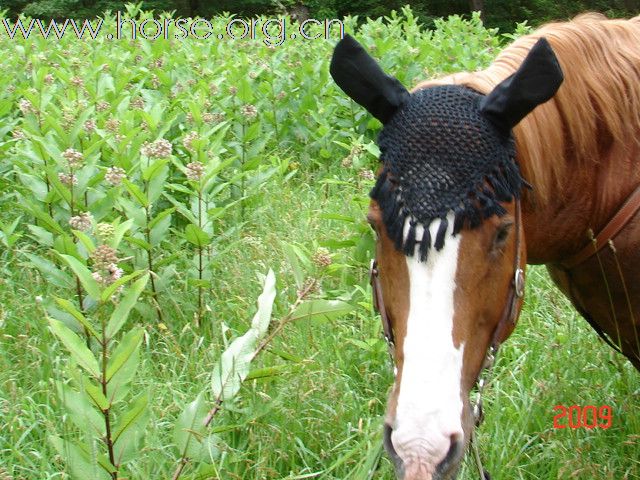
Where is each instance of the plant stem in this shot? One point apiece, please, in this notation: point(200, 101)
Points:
point(107, 420)
point(80, 304)
point(200, 268)
point(147, 235)
point(46, 177)
point(217, 405)
point(46, 174)
point(242, 176)
point(275, 111)
point(75, 240)
point(178, 472)
point(154, 292)
point(281, 324)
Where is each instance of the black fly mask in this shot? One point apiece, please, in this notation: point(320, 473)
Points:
point(445, 150)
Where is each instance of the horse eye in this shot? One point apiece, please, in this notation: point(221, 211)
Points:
point(501, 235)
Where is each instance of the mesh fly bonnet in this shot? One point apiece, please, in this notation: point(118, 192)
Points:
point(441, 155)
point(444, 149)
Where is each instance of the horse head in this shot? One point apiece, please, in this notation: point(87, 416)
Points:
point(450, 247)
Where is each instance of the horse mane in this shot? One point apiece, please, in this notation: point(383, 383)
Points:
point(596, 108)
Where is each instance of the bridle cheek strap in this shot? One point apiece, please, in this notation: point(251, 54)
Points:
point(378, 305)
point(515, 295)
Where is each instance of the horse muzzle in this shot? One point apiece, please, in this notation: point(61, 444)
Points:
point(420, 469)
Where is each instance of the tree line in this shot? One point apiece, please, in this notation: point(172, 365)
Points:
point(503, 14)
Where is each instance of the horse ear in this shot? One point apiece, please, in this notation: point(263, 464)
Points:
point(535, 82)
point(360, 77)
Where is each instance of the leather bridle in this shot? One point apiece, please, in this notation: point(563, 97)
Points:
point(507, 321)
point(620, 220)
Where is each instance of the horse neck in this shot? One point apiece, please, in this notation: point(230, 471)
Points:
point(587, 197)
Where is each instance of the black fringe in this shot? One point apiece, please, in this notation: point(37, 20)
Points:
point(442, 230)
point(410, 242)
point(458, 222)
point(425, 244)
point(501, 185)
point(396, 230)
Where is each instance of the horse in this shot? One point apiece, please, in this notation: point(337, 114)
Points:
point(534, 160)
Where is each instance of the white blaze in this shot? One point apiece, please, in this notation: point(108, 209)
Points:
point(429, 405)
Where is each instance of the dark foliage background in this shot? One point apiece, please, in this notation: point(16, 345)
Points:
point(497, 13)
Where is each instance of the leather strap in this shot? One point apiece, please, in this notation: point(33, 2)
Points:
point(516, 290)
point(617, 223)
point(378, 303)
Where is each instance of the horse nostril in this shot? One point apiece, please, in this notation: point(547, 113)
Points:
point(391, 451)
point(455, 450)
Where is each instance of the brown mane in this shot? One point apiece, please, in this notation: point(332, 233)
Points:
point(597, 107)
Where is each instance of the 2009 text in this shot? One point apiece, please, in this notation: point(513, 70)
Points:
point(578, 416)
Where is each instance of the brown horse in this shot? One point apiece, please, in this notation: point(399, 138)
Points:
point(451, 214)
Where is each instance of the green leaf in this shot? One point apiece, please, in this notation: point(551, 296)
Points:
point(50, 271)
point(139, 242)
point(180, 206)
point(60, 189)
point(121, 312)
point(83, 273)
point(94, 393)
point(159, 229)
point(157, 184)
point(204, 449)
point(323, 309)
point(67, 306)
point(48, 222)
point(190, 423)
point(120, 384)
point(110, 290)
point(77, 348)
point(81, 410)
point(130, 444)
point(245, 90)
point(127, 348)
point(85, 240)
point(133, 416)
point(9, 228)
point(196, 235)
point(41, 235)
point(194, 282)
point(274, 371)
point(153, 170)
point(262, 317)
point(119, 232)
point(161, 216)
point(136, 193)
point(292, 257)
point(233, 367)
point(289, 357)
point(337, 244)
point(65, 245)
point(80, 463)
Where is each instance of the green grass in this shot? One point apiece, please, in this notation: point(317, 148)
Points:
point(323, 418)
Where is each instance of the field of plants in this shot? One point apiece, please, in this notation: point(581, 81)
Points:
point(183, 270)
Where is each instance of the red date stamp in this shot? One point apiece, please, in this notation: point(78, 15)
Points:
point(577, 416)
